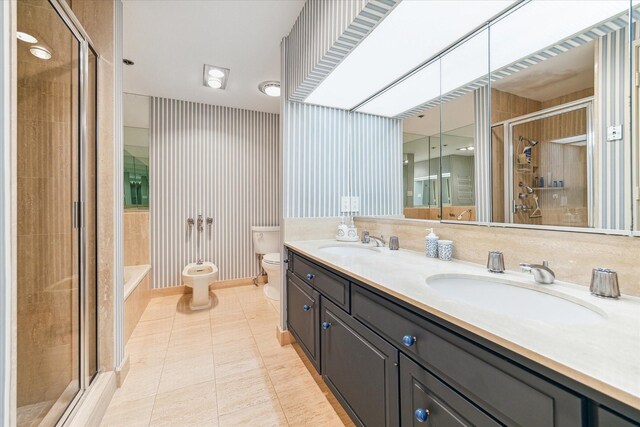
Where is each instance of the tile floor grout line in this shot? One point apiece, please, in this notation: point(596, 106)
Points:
point(164, 359)
point(253, 337)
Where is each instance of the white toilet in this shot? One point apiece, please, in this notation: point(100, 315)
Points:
point(199, 277)
point(266, 241)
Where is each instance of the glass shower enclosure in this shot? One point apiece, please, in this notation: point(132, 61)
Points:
point(57, 214)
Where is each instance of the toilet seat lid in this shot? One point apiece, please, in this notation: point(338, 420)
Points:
point(272, 258)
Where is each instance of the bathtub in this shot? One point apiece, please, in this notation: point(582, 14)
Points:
point(133, 275)
point(137, 293)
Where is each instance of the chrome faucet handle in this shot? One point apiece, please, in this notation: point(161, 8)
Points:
point(190, 222)
point(495, 262)
point(365, 237)
point(394, 243)
point(541, 272)
point(209, 220)
point(604, 283)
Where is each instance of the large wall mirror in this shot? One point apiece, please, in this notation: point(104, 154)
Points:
point(530, 123)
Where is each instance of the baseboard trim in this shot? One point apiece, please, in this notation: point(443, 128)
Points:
point(181, 289)
point(94, 404)
point(122, 371)
point(284, 337)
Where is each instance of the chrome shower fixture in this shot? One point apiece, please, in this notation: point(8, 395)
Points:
point(530, 142)
point(528, 189)
point(468, 211)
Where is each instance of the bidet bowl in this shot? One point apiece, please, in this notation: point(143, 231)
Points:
point(199, 277)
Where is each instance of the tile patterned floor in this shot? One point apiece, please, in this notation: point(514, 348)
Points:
point(221, 367)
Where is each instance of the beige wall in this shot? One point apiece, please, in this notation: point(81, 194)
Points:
point(571, 255)
point(136, 238)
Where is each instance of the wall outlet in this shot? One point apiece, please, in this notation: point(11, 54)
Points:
point(345, 204)
point(614, 133)
point(355, 204)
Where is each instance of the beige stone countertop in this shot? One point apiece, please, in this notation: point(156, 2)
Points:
point(604, 355)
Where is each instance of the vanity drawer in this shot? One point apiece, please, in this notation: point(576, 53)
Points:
point(421, 390)
point(332, 286)
point(303, 316)
point(606, 418)
point(510, 394)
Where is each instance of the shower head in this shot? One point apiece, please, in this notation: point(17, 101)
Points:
point(530, 142)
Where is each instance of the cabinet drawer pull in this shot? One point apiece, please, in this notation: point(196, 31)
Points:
point(310, 276)
point(326, 325)
point(409, 340)
point(306, 307)
point(422, 415)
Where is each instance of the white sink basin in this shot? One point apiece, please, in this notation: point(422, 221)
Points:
point(515, 300)
point(350, 250)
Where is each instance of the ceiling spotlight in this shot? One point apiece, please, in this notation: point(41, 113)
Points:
point(215, 77)
point(216, 72)
point(26, 37)
point(40, 52)
point(214, 83)
point(271, 88)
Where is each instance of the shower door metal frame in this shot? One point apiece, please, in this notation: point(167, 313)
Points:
point(85, 44)
point(508, 125)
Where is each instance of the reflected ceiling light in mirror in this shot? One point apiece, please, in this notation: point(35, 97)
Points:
point(412, 33)
point(215, 77)
point(40, 52)
point(26, 37)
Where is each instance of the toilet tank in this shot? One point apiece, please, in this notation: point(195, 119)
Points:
point(266, 240)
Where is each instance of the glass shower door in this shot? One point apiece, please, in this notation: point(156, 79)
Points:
point(48, 181)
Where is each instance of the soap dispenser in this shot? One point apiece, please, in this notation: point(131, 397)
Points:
point(431, 244)
point(352, 233)
point(343, 230)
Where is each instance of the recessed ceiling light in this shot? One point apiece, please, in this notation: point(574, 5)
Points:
point(216, 72)
point(462, 149)
point(214, 83)
point(215, 77)
point(26, 37)
point(470, 148)
point(271, 88)
point(40, 52)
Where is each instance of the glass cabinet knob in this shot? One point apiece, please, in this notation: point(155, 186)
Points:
point(408, 340)
point(422, 415)
point(306, 307)
point(310, 276)
point(326, 325)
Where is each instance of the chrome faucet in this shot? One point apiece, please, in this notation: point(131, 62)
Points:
point(541, 273)
point(200, 223)
point(199, 262)
point(379, 241)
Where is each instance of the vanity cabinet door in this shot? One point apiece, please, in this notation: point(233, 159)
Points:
point(606, 418)
point(360, 368)
point(303, 316)
point(427, 401)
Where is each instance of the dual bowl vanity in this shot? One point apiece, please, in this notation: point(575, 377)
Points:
point(402, 339)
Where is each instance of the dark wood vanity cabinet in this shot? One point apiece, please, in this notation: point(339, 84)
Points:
point(359, 367)
point(303, 314)
point(389, 364)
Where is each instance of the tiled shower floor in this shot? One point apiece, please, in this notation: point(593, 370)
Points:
point(221, 367)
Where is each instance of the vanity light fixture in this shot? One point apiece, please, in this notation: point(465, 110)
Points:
point(40, 52)
point(26, 37)
point(271, 88)
point(215, 77)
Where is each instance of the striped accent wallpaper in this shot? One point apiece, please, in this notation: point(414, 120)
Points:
point(217, 162)
point(376, 164)
point(613, 209)
point(323, 35)
point(482, 154)
point(324, 160)
point(118, 173)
